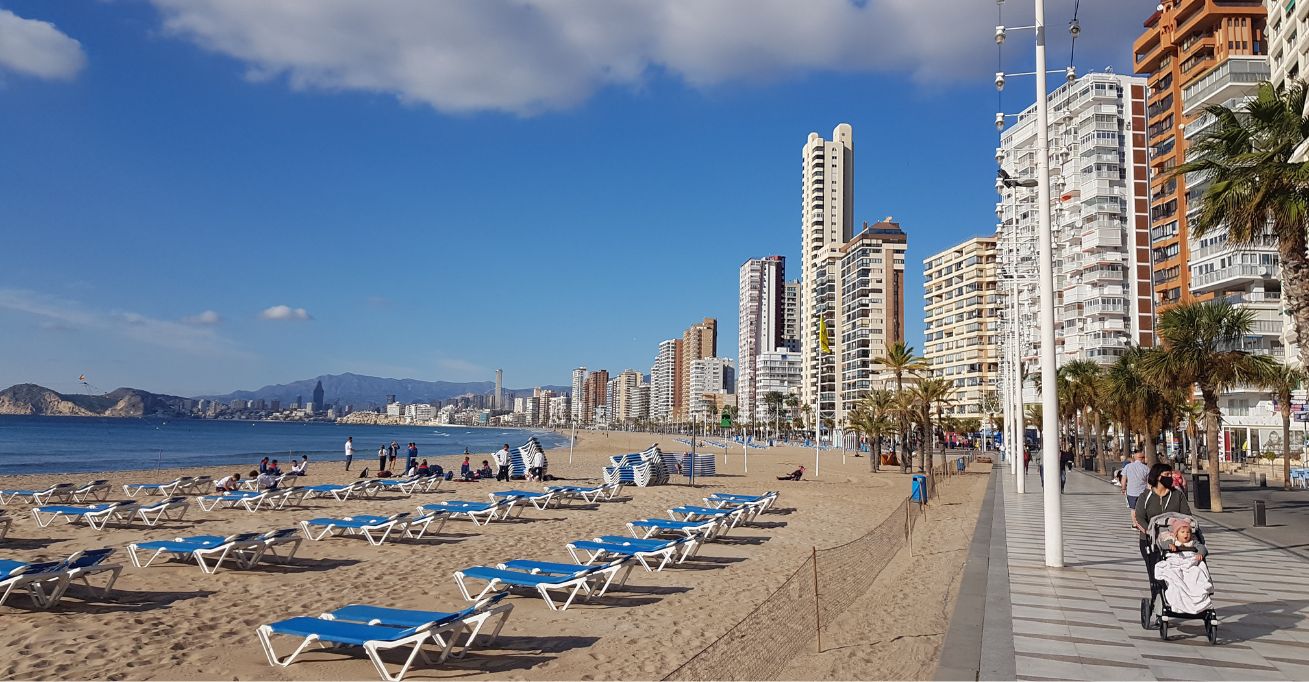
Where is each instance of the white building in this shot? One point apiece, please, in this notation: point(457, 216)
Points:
point(791, 316)
point(663, 381)
point(560, 411)
point(960, 308)
point(760, 310)
point(395, 409)
point(1287, 33)
point(709, 376)
point(579, 377)
point(778, 371)
point(1100, 229)
point(826, 223)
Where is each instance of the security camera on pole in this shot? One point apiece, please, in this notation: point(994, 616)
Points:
point(1053, 509)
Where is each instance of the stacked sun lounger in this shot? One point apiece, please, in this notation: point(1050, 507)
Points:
point(681, 463)
point(521, 455)
point(641, 469)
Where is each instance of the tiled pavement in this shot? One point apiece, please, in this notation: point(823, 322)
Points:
point(1082, 622)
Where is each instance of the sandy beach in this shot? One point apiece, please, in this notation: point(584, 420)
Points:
point(170, 621)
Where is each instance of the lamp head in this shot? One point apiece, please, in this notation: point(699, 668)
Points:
point(999, 121)
point(1074, 28)
point(999, 35)
point(999, 80)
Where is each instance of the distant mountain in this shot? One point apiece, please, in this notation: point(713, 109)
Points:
point(122, 402)
point(359, 390)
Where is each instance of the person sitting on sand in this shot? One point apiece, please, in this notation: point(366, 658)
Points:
point(435, 469)
point(485, 471)
point(263, 465)
point(267, 481)
point(228, 484)
point(466, 470)
point(300, 468)
point(422, 469)
point(793, 476)
point(274, 469)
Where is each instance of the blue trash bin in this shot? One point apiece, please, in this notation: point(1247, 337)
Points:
point(918, 493)
point(959, 465)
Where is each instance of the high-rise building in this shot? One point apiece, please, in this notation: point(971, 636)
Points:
point(791, 316)
point(499, 400)
point(318, 397)
point(709, 376)
point(1287, 41)
point(870, 300)
point(760, 309)
point(594, 393)
point(1100, 229)
point(700, 340)
point(1182, 42)
point(626, 400)
point(960, 313)
point(576, 405)
point(780, 371)
point(663, 380)
point(827, 223)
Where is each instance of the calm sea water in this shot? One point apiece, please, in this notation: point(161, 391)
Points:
point(71, 444)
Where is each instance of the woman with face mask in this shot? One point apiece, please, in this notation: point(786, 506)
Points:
point(1159, 498)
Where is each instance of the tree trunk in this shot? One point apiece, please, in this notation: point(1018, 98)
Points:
point(927, 455)
point(1151, 453)
point(1212, 416)
point(876, 453)
point(1291, 244)
point(1086, 437)
point(1286, 444)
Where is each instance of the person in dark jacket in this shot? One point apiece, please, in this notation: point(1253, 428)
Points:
point(1158, 499)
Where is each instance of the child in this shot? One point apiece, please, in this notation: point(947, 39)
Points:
point(1184, 571)
point(466, 470)
point(485, 471)
point(423, 470)
point(1184, 540)
point(228, 484)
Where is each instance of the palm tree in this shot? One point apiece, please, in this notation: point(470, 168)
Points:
point(929, 393)
point(1201, 346)
point(774, 401)
point(1257, 187)
point(1285, 381)
point(1142, 402)
point(872, 417)
point(899, 359)
point(1081, 377)
point(1193, 413)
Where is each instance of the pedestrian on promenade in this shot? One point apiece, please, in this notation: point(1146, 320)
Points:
point(502, 463)
point(349, 451)
point(1027, 459)
point(1158, 499)
point(1134, 478)
point(381, 458)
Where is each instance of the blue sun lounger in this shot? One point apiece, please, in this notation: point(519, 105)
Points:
point(165, 489)
point(96, 490)
point(43, 581)
point(589, 551)
point(480, 513)
point(96, 516)
point(762, 502)
point(375, 529)
point(538, 499)
point(244, 549)
point(374, 639)
point(277, 538)
point(732, 516)
point(645, 528)
point(473, 619)
point(584, 579)
point(60, 491)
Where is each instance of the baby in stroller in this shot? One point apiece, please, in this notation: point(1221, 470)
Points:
point(1182, 588)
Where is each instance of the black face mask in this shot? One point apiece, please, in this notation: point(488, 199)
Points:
point(1166, 481)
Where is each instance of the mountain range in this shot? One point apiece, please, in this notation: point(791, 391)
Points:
point(122, 402)
point(360, 390)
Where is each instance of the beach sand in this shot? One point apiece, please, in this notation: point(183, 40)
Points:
point(170, 621)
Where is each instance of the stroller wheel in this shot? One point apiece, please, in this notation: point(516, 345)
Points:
point(1145, 613)
point(1163, 629)
point(1211, 631)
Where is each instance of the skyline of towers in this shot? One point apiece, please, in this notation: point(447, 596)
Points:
point(761, 319)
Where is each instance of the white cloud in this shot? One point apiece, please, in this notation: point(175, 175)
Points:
point(36, 48)
point(527, 56)
point(207, 317)
point(285, 312)
point(58, 314)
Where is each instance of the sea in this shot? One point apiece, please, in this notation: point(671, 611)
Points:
point(78, 444)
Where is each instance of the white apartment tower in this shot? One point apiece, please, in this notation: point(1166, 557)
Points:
point(577, 405)
point(826, 223)
point(791, 316)
point(960, 312)
point(760, 310)
point(870, 300)
point(1101, 234)
point(779, 371)
point(499, 389)
point(663, 381)
point(709, 377)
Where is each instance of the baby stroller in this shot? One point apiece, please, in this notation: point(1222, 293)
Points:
point(1156, 611)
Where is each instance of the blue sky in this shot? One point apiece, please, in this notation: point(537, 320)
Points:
point(203, 196)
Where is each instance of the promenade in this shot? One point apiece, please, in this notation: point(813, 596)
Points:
point(1082, 622)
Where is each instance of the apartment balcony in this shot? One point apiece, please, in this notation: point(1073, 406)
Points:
point(1225, 248)
point(1102, 237)
point(1233, 275)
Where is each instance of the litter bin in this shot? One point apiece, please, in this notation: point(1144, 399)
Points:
point(959, 465)
point(1088, 464)
point(1200, 486)
point(918, 493)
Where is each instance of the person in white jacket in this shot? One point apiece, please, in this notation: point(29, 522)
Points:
point(502, 463)
point(536, 467)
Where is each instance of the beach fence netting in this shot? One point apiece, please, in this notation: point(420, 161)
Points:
point(815, 594)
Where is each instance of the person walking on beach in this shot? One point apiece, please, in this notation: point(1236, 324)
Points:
point(381, 458)
point(349, 451)
point(393, 451)
point(502, 463)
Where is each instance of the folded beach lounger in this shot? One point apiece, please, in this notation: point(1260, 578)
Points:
point(645, 528)
point(375, 529)
point(472, 619)
point(43, 581)
point(585, 579)
point(243, 548)
point(170, 509)
point(480, 513)
point(167, 489)
point(91, 490)
point(58, 491)
point(279, 538)
point(538, 499)
point(230, 500)
point(590, 551)
point(96, 515)
point(374, 639)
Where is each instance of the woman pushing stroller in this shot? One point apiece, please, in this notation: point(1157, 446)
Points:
point(1174, 554)
point(1159, 498)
